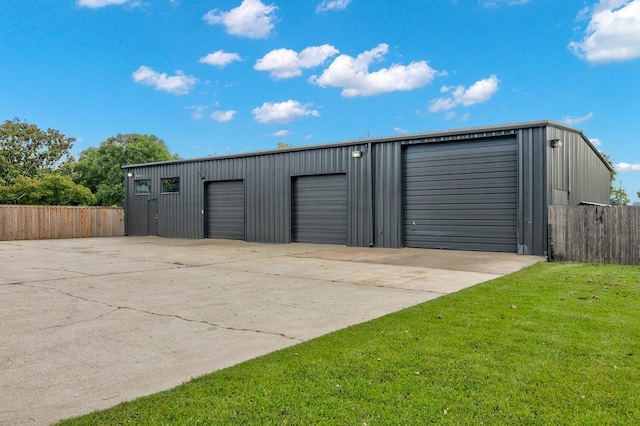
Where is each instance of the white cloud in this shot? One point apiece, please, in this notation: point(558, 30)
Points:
point(613, 33)
point(480, 91)
point(495, 3)
point(282, 112)
point(572, 121)
point(223, 116)
point(198, 111)
point(281, 133)
point(400, 130)
point(286, 63)
point(626, 167)
point(353, 76)
point(220, 58)
point(596, 142)
point(332, 5)
point(179, 84)
point(96, 4)
point(251, 19)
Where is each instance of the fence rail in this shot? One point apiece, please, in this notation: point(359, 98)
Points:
point(53, 222)
point(595, 234)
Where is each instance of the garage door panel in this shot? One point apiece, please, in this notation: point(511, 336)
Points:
point(461, 195)
point(471, 162)
point(462, 173)
point(319, 209)
point(225, 210)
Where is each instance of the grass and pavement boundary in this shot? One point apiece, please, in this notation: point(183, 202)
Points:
point(552, 344)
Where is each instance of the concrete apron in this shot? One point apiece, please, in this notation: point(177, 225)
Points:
point(88, 323)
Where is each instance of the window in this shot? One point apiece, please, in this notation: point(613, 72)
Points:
point(143, 187)
point(170, 185)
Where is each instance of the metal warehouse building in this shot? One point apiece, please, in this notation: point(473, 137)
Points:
point(482, 188)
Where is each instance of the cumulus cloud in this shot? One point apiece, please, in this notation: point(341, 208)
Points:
point(480, 91)
point(220, 58)
point(251, 19)
point(355, 79)
point(96, 4)
point(179, 84)
point(496, 3)
point(282, 112)
point(197, 111)
point(281, 133)
point(223, 116)
point(613, 33)
point(332, 5)
point(626, 167)
point(286, 63)
point(400, 130)
point(572, 121)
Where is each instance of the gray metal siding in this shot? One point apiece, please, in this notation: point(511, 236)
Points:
point(532, 193)
point(461, 195)
point(319, 209)
point(267, 192)
point(225, 210)
point(570, 174)
point(576, 173)
point(387, 194)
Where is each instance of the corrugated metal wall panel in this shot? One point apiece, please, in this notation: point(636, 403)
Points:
point(387, 175)
point(374, 185)
point(533, 192)
point(576, 169)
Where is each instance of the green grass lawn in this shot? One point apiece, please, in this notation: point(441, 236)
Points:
point(552, 344)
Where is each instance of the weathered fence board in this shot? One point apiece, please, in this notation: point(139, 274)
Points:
point(54, 222)
point(595, 234)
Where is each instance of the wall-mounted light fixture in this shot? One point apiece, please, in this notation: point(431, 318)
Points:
point(356, 154)
point(556, 143)
point(130, 174)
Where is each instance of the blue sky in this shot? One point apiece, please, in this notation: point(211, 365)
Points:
point(214, 77)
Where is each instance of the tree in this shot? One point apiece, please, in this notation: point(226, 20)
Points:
point(284, 145)
point(618, 196)
point(99, 169)
point(26, 150)
point(51, 189)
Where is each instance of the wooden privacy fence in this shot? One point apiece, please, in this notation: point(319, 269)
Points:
point(595, 234)
point(52, 222)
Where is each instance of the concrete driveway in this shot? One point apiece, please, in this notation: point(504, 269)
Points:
point(88, 323)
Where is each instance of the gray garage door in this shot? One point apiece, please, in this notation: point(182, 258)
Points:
point(461, 196)
point(225, 210)
point(319, 208)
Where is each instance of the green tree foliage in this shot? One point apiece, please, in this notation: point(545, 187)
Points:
point(284, 145)
point(26, 150)
point(618, 196)
point(99, 169)
point(49, 189)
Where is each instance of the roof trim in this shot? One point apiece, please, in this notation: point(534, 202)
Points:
point(397, 138)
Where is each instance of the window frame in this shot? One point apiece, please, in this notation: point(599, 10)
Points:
point(165, 181)
point(135, 187)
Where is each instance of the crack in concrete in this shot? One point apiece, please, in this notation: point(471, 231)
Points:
point(142, 311)
point(356, 283)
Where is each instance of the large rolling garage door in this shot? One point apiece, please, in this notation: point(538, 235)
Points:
point(225, 210)
point(462, 195)
point(319, 208)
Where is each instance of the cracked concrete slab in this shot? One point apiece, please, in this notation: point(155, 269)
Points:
point(88, 323)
